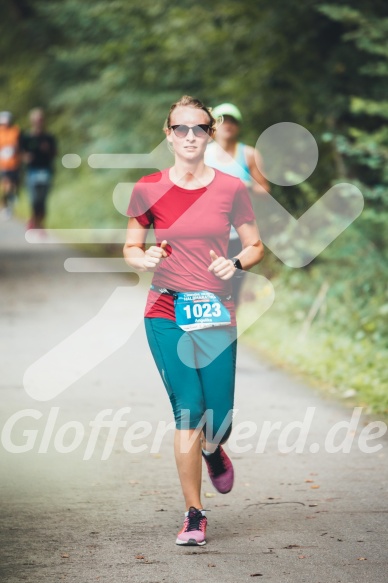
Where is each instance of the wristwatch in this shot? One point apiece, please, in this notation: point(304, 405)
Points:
point(236, 262)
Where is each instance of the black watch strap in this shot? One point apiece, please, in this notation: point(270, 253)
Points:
point(236, 262)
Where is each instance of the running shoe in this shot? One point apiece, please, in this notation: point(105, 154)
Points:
point(193, 532)
point(220, 470)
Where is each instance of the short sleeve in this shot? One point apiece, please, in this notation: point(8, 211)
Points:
point(139, 206)
point(242, 211)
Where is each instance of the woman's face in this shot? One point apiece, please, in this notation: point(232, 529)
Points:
point(229, 129)
point(190, 147)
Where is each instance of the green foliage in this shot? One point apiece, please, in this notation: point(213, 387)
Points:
point(362, 142)
point(344, 349)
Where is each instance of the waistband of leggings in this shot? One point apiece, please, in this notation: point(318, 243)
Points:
point(174, 294)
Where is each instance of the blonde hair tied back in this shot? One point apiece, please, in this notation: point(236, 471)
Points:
point(188, 101)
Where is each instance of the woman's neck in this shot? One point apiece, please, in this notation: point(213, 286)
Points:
point(191, 175)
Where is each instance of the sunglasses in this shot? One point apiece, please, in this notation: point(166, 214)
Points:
point(200, 131)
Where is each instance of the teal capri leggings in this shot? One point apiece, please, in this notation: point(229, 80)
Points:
point(198, 369)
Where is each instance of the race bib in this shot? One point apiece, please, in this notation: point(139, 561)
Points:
point(200, 309)
point(7, 152)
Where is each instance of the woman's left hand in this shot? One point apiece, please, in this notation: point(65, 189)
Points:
point(221, 267)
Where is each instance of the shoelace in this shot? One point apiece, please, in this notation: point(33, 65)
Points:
point(216, 461)
point(195, 518)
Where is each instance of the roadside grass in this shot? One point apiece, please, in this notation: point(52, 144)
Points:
point(349, 365)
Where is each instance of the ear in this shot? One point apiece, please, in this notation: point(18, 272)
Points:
point(170, 146)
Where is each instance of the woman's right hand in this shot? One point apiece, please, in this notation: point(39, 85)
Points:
point(154, 255)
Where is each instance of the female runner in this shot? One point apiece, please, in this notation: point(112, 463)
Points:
point(189, 316)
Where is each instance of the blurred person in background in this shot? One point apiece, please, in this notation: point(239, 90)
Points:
point(9, 163)
point(38, 150)
point(227, 154)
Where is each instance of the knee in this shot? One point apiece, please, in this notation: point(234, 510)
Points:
point(190, 418)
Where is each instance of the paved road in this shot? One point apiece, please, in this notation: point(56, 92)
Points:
point(292, 517)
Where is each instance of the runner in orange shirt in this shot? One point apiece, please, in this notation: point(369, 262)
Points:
point(9, 163)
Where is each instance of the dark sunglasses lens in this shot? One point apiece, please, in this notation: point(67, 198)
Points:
point(181, 131)
point(201, 130)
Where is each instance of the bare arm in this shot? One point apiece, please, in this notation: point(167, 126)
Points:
point(135, 253)
point(251, 254)
point(255, 164)
point(252, 247)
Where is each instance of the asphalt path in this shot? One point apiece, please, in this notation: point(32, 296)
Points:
point(78, 384)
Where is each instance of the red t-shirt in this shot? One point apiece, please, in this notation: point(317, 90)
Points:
point(193, 222)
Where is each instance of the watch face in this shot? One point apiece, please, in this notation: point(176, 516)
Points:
point(237, 263)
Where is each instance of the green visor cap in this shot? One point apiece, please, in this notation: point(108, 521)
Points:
point(227, 109)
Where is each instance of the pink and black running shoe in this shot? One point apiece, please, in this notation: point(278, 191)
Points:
point(220, 470)
point(193, 532)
